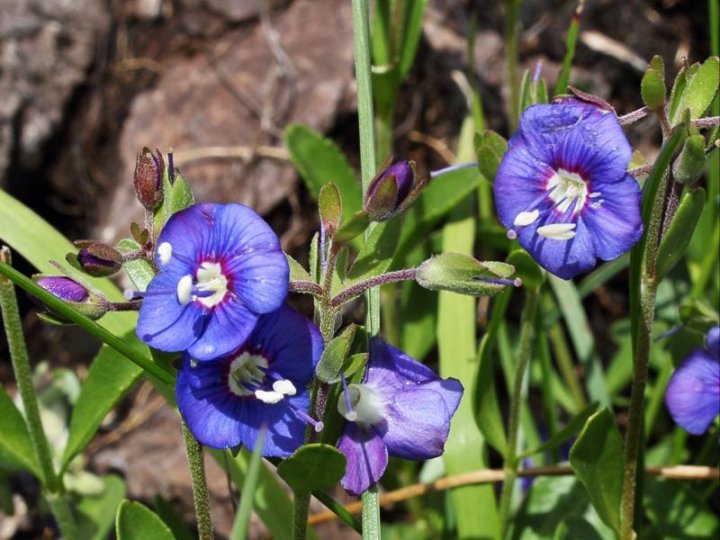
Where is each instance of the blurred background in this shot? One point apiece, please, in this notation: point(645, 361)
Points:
point(85, 84)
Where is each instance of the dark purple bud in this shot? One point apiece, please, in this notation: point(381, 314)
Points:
point(148, 180)
point(95, 258)
point(64, 288)
point(389, 190)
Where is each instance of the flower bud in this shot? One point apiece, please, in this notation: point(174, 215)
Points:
point(388, 193)
point(74, 294)
point(95, 258)
point(463, 274)
point(652, 87)
point(690, 164)
point(148, 179)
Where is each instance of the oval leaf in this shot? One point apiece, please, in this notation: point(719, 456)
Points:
point(312, 467)
point(135, 521)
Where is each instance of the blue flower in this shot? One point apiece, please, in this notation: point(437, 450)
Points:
point(563, 189)
point(402, 408)
point(220, 268)
point(226, 402)
point(693, 393)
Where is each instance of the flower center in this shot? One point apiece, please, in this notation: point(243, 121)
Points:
point(209, 289)
point(245, 373)
point(566, 189)
point(361, 404)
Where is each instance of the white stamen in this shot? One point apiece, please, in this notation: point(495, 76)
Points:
point(594, 194)
point(211, 278)
point(366, 405)
point(597, 204)
point(165, 252)
point(557, 231)
point(245, 369)
point(269, 396)
point(524, 219)
point(284, 387)
point(184, 289)
point(567, 189)
point(511, 234)
point(128, 294)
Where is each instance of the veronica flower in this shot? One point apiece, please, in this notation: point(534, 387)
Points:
point(563, 190)
point(402, 408)
point(226, 402)
point(220, 268)
point(693, 393)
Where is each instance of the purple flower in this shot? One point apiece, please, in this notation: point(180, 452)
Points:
point(693, 393)
point(64, 288)
point(220, 268)
point(563, 190)
point(388, 192)
point(402, 408)
point(225, 402)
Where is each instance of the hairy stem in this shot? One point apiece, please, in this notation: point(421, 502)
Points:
point(199, 484)
point(375, 281)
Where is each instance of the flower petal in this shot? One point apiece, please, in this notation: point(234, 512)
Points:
point(417, 421)
point(693, 393)
point(613, 218)
point(259, 279)
point(189, 234)
point(240, 230)
point(228, 326)
point(366, 455)
point(164, 323)
point(564, 258)
point(291, 340)
point(713, 342)
point(390, 370)
point(220, 419)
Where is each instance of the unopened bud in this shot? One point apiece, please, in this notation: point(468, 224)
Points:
point(75, 295)
point(389, 192)
point(464, 274)
point(148, 179)
point(95, 258)
point(690, 164)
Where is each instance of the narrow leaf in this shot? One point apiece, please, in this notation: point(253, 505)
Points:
point(15, 446)
point(242, 518)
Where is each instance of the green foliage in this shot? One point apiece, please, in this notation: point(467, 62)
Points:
point(330, 207)
point(15, 447)
point(136, 521)
point(596, 458)
point(96, 513)
point(694, 89)
point(333, 356)
point(176, 196)
point(652, 86)
point(313, 467)
point(676, 239)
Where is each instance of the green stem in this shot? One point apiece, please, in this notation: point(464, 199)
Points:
point(199, 484)
point(527, 331)
point(371, 514)
point(301, 506)
point(23, 376)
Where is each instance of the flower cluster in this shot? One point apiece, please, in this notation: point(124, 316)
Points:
point(693, 393)
point(563, 190)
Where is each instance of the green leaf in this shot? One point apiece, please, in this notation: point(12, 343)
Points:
point(313, 467)
point(136, 521)
point(319, 160)
point(487, 409)
point(242, 517)
point(356, 225)
point(330, 207)
point(699, 90)
point(561, 86)
point(652, 86)
point(677, 513)
point(412, 30)
point(376, 255)
point(575, 425)
point(139, 271)
point(15, 446)
point(96, 514)
point(526, 269)
point(297, 272)
point(490, 147)
point(108, 380)
point(332, 358)
point(552, 502)
point(689, 164)
point(596, 458)
point(176, 197)
point(171, 518)
point(675, 241)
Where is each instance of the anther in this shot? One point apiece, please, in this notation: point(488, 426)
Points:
point(185, 289)
point(557, 231)
point(284, 387)
point(164, 252)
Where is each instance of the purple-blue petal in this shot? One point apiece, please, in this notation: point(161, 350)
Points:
point(221, 419)
point(226, 328)
point(366, 456)
point(285, 336)
point(259, 279)
point(564, 258)
point(693, 393)
point(417, 421)
point(390, 370)
point(164, 323)
point(189, 234)
point(239, 230)
point(614, 222)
